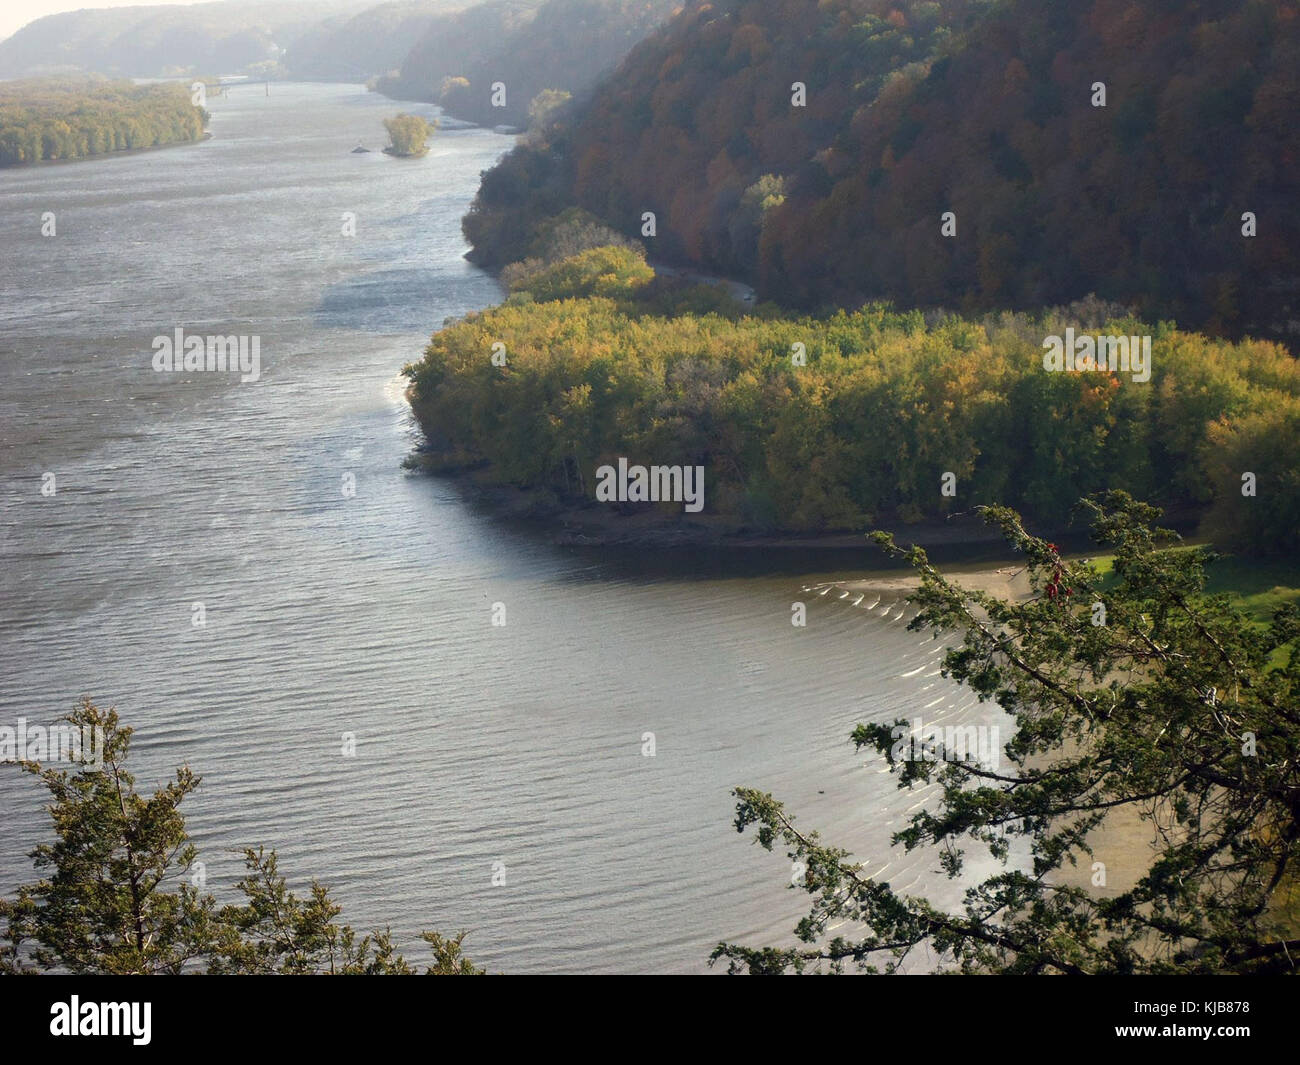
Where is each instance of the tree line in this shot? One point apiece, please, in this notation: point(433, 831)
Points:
point(836, 422)
point(45, 119)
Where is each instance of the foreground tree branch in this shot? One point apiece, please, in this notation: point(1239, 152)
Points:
point(120, 897)
point(1165, 701)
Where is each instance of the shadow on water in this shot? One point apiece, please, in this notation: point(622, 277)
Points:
point(389, 301)
point(721, 562)
point(645, 563)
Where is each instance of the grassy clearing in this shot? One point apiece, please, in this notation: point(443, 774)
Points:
point(1257, 586)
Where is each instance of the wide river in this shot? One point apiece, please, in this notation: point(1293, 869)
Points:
point(498, 782)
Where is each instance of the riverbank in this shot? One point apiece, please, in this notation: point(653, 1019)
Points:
point(1124, 842)
point(1124, 845)
point(116, 153)
point(65, 119)
point(592, 524)
point(818, 439)
point(568, 522)
point(1010, 582)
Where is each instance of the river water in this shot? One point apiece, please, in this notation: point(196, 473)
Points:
point(498, 782)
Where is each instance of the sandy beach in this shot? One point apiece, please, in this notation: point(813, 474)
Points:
point(1124, 844)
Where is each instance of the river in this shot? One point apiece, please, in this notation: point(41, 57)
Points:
point(498, 782)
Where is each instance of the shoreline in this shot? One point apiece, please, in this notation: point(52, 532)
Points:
point(1008, 581)
point(588, 523)
point(1124, 843)
point(207, 136)
point(592, 524)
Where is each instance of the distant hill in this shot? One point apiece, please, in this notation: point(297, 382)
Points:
point(445, 51)
point(528, 45)
point(357, 47)
point(985, 108)
point(227, 37)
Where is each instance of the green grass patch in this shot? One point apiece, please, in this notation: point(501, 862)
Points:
point(1258, 587)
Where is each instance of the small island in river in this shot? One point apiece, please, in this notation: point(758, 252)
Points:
point(408, 135)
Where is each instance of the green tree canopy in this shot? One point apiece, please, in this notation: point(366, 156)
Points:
point(1173, 707)
point(68, 118)
point(605, 271)
point(121, 896)
point(841, 422)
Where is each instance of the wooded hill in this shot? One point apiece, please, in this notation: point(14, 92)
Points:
point(172, 40)
point(989, 109)
point(357, 47)
point(449, 52)
point(527, 46)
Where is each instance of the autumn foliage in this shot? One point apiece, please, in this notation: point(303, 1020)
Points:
point(68, 118)
point(834, 422)
point(988, 110)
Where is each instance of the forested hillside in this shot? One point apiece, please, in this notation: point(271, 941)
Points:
point(443, 51)
point(167, 40)
point(525, 45)
point(52, 118)
point(990, 109)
